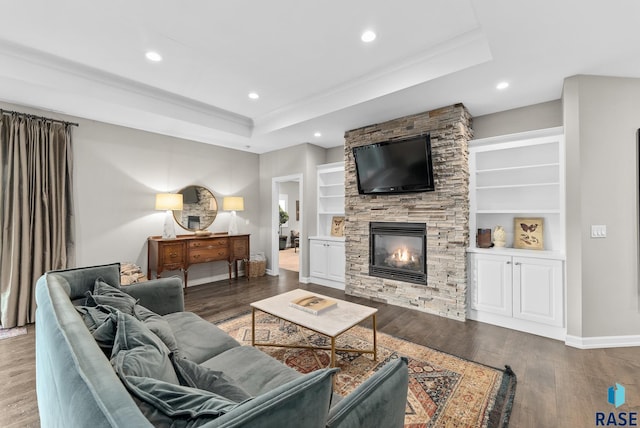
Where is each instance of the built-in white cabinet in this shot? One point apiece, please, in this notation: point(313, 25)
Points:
point(326, 252)
point(491, 284)
point(520, 175)
point(327, 261)
point(523, 288)
point(538, 290)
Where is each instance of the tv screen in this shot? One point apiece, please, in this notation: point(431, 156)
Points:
point(402, 166)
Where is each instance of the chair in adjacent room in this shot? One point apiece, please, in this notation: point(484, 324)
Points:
point(295, 240)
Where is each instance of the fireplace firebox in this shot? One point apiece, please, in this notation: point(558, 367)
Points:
point(398, 251)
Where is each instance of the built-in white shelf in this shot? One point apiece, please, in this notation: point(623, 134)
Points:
point(519, 211)
point(539, 254)
point(514, 186)
point(330, 195)
point(326, 252)
point(518, 168)
point(518, 176)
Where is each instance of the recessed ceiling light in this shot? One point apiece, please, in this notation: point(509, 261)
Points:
point(368, 36)
point(153, 56)
point(317, 134)
point(502, 85)
point(254, 95)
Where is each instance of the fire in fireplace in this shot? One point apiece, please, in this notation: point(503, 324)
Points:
point(398, 251)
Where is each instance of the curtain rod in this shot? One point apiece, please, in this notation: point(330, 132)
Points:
point(33, 116)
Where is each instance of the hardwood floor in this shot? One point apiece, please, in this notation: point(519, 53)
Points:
point(290, 259)
point(558, 386)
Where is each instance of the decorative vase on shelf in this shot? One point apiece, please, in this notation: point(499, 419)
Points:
point(499, 237)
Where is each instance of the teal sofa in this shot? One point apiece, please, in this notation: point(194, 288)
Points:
point(146, 379)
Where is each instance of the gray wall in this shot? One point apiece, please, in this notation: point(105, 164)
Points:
point(335, 154)
point(602, 116)
point(533, 117)
point(301, 159)
point(119, 170)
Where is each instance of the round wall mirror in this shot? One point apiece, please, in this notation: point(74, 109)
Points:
point(199, 208)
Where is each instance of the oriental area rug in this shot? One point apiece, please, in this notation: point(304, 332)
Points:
point(444, 390)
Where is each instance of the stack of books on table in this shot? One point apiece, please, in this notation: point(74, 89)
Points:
point(313, 304)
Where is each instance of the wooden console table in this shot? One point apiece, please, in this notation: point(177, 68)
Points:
point(186, 250)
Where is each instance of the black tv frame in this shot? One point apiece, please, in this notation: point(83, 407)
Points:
point(397, 190)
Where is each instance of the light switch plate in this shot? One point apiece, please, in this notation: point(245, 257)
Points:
point(598, 231)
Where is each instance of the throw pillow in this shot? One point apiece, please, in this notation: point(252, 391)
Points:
point(100, 286)
point(105, 294)
point(143, 365)
point(176, 406)
point(158, 325)
point(93, 316)
point(197, 376)
point(101, 322)
point(140, 353)
point(118, 303)
point(108, 296)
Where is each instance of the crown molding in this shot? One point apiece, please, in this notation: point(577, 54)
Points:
point(84, 82)
point(460, 52)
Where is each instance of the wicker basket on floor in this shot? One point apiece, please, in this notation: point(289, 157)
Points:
point(256, 268)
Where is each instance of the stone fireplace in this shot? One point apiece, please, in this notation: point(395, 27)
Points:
point(444, 213)
point(398, 251)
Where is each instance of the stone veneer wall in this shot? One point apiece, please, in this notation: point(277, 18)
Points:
point(445, 212)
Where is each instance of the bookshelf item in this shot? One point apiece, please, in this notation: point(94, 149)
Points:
point(484, 238)
point(528, 233)
point(313, 304)
point(337, 226)
point(499, 237)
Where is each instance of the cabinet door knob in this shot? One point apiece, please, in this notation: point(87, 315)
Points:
point(508, 263)
point(517, 263)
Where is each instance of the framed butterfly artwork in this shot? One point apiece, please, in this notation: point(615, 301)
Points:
point(527, 233)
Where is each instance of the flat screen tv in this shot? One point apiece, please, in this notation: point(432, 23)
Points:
point(402, 166)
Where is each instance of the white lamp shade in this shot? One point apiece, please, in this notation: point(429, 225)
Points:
point(168, 201)
point(233, 203)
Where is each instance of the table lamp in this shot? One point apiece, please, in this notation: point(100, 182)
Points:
point(233, 204)
point(169, 202)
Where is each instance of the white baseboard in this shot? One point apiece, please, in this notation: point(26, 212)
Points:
point(602, 341)
point(327, 282)
point(552, 332)
point(304, 280)
point(208, 279)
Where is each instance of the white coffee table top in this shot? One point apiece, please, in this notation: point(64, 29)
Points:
point(331, 322)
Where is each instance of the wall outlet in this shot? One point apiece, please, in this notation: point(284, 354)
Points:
point(598, 231)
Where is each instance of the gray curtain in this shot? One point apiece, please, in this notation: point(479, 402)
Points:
point(36, 210)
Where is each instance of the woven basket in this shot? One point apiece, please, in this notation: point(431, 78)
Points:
point(256, 268)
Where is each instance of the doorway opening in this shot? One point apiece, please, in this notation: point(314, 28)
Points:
point(287, 243)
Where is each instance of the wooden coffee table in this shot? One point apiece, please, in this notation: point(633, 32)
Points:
point(332, 322)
